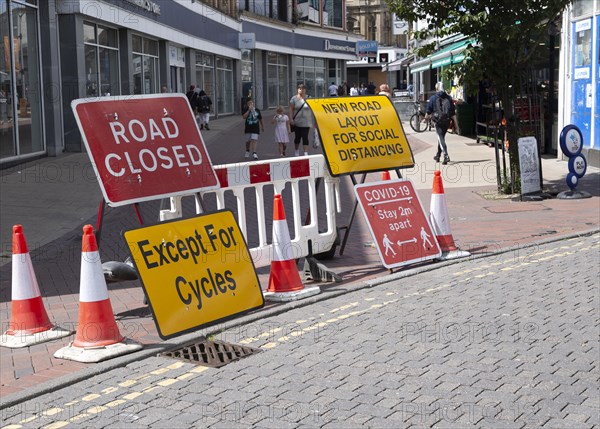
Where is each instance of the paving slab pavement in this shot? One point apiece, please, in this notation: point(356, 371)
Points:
point(52, 198)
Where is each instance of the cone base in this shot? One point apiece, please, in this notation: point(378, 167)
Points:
point(97, 354)
point(284, 277)
point(18, 340)
point(454, 254)
point(292, 296)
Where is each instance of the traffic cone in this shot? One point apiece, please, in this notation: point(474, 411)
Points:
point(29, 323)
point(284, 278)
point(385, 175)
point(440, 221)
point(98, 337)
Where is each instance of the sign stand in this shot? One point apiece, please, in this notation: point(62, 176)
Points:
point(100, 218)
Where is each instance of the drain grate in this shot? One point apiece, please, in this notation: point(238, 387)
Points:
point(214, 354)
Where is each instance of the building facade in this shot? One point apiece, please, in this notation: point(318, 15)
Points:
point(56, 51)
point(578, 99)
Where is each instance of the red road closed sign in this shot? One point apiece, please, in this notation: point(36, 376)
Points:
point(144, 147)
point(397, 222)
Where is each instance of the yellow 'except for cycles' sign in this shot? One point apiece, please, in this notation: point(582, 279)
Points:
point(195, 271)
point(361, 134)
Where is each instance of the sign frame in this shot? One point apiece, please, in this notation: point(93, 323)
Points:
point(397, 151)
point(145, 285)
point(121, 190)
point(419, 205)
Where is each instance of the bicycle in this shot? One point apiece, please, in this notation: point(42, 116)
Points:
point(417, 120)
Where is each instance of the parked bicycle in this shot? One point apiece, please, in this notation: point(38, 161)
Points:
point(417, 120)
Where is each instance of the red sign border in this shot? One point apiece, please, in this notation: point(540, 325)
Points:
point(412, 261)
point(79, 101)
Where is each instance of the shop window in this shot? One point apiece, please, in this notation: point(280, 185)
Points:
point(145, 65)
point(277, 79)
point(205, 73)
point(225, 84)
point(101, 52)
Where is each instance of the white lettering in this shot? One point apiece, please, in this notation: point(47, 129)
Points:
point(120, 132)
point(109, 168)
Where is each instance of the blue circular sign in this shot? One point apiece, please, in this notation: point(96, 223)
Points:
point(571, 140)
point(578, 165)
point(572, 180)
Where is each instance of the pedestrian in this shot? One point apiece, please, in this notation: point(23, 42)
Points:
point(203, 105)
point(301, 119)
point(371, 88)
point(253, 125)
point(343, 89)
point(282, 129)
point(164, 89)
point(353, 90)
point(190, 94)
point(384, 89)
point(440, 108)
point(363, 89)
point(333, 90)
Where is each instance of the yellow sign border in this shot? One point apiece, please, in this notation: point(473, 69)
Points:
point(361, 134)
point(194, 248)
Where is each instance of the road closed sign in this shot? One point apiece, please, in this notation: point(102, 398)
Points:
point(361, 134)
point(195, 271)
point(144, 147)
point(398, 224)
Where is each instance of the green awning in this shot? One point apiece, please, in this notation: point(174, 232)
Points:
point(451, 54)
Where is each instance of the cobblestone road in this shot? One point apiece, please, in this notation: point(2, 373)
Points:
point(509, 341)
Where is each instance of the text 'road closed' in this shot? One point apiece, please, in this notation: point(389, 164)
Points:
point(195, 271)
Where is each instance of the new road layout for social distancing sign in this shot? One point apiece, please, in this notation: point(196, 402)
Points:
point(361, 134)
point(144, 147)
point(195, 271)
point(397, 222)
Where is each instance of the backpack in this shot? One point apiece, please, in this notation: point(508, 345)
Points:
point(441, 111)
point(204, 104)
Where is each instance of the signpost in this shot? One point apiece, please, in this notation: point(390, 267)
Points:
point(195, 271)
point(144, 147)
point(397, 222)
point(571, 144)
point(361, 134)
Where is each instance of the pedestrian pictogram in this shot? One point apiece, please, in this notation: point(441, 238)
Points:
point(397, 222)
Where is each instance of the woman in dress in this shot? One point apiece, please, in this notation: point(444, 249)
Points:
point(282, 129)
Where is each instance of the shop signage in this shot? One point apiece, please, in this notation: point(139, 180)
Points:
point(331, 46)
point(529, 164)
point(195, 271)
point(148, 5)
point(144, 147)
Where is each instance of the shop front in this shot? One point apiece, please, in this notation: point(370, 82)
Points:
point(21, 90)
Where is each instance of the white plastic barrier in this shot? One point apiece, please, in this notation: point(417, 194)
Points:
point(276, 173)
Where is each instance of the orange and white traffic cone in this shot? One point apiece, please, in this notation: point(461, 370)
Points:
point(29, 323)
point(440, 221)
point(284, 279)
point(98, 337)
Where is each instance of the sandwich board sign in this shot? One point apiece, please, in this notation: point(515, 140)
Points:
point(397, 222)
point(195, 271)
point(144, 147)
point(361, 134)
